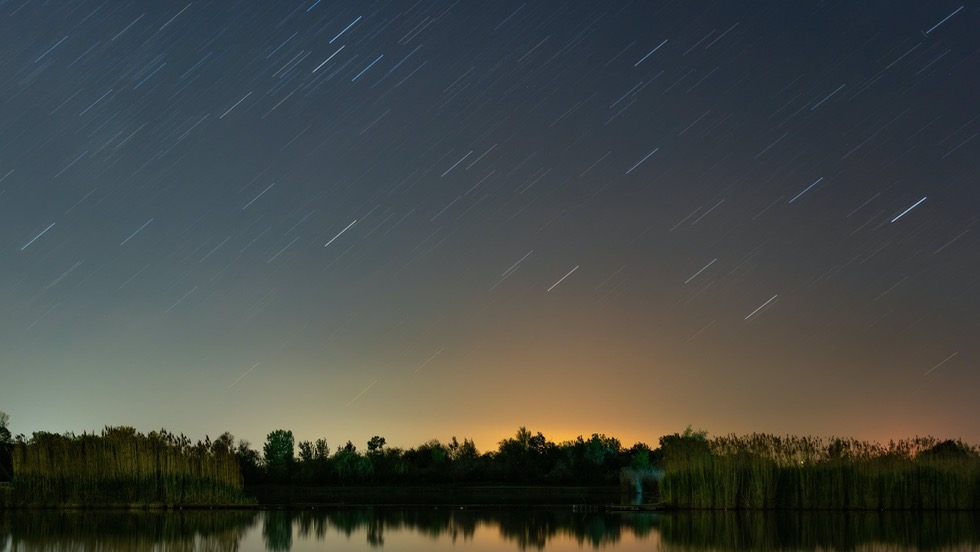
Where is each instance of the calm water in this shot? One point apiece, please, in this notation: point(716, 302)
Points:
point(483, 530)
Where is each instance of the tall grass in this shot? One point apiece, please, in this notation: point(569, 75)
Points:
point(121, 466)
point(761, 471)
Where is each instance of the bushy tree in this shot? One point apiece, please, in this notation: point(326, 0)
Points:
point(225, 443)
point(278, 453)
point(465, 459)
point(314, 466)
point(948, 449)
point(321, 450)
point(4, 430)
point(682, 446)
point(347, 464)
point(428, 462)
point(526, 457)
point(375, 444)
point(305, 451)
point(248, 461)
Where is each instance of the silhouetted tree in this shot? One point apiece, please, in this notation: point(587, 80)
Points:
point(428, 462)
point(346, 464)
point(948, 449)
point(375, 444)
point(6, 449)
point(313, 466)
point(248, 462)
point(321, 450)
point(389, 465)
point(305, 451)
point(278, 453)
point(680, 446)
point(640, 456)
point(465, 459)
point(225, 443)
point(525, 457)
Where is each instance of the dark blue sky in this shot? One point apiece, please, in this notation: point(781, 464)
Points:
point(425, 219)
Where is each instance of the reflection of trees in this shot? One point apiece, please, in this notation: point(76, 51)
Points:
point(277, 530)
point(836, 530)
point(176, 531)
point(534, 530)
point(223, 531)
point(376, 534)
point(430, 522)
point(694, 530)
point(528, 529)
point(4, 533)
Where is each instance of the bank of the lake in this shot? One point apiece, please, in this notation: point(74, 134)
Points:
point(122, 467)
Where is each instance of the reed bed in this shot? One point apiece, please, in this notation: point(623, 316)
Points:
point(762, 471)
point(123, 467)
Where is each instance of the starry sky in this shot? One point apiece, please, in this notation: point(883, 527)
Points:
point(420, 219)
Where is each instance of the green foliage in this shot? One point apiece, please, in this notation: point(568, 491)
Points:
point(350, 467)
point(640, 459)
point(278, 453)
point(121, 466)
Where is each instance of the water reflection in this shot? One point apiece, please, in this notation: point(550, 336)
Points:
point(180, 531)
point(527, 529)
point(904, 530)
point(434, 528)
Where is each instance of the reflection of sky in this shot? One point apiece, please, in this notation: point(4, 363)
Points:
point(426, 219)
point(487, 537)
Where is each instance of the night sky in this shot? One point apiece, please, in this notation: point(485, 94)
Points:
point(425, 219)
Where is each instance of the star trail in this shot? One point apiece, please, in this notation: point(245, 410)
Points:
point(429, 218)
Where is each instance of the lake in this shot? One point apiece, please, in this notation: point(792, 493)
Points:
point(484, 530)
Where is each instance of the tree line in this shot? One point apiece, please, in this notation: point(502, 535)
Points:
point(685, 470)
point(525, 458)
